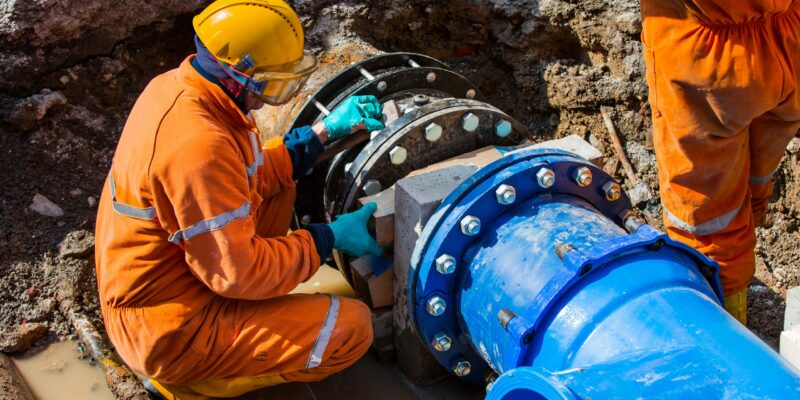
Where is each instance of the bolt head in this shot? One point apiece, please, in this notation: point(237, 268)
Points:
point(470, 122)
point(462, 368)
point(446, 264)
point(503, 128)
point(471, 94)
point(470, 225)
point(372, 187)
point(612, 191)
point(583, 176)
point(431, 77)
point(398, 155)
point(433, 132)
point(381, 86)
point(442, 342)
point(436, 306)
point(546, 177)
point(506, 194)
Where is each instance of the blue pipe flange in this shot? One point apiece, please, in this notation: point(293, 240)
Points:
point(455, 226)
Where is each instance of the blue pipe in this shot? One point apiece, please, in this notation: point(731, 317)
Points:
point(563, 303)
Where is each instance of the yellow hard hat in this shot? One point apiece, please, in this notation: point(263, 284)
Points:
point(260, 38)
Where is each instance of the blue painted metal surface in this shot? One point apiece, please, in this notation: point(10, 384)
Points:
point(611, 315)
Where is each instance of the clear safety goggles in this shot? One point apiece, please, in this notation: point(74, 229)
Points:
point(277, 84)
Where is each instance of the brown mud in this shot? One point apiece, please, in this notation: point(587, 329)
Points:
point(75, 70)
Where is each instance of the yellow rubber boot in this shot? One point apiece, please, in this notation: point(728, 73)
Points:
point(736, 305)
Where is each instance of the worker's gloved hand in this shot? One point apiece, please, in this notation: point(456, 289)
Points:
point(355, 113)
point(350, 232)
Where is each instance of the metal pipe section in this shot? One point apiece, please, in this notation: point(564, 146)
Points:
point(548, 290)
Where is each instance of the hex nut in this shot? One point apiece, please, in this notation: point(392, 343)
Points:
point(470, 122)
point(433, 132)
point(431, 77)
point(436, 306)
point(446, 264)
point(470, 225)
point(442, 342)
point(503, 128)
point(545, 177)
point(612, 191)
point(462, 368)
point(506, 194)
point(398, 155)
point(583, 176)
point(372, 187)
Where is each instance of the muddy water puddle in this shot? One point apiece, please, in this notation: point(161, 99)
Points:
point(56, 373)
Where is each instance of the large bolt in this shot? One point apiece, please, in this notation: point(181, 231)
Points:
point(546, 177)
point(582, 176)
point(398, 155)
point(502, 128)
point(442, 342)
point(431, 77)
point(470, 225)
point(446, 264)
point(436, 306)
point(462, 368)
point(433, 132)
point(612, 191)
point(505, 194)
point(372, 187)
point(470, 122)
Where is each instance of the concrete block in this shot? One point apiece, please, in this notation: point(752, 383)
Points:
point(372, 279)
point(382, 222)
point(574, 144)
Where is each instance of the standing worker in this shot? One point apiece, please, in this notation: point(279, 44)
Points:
point(723, 78)
point(193, 258)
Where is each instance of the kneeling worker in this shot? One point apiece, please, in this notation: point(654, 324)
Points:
point(193, 258)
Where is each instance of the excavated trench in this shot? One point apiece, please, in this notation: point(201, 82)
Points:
point(550, 64)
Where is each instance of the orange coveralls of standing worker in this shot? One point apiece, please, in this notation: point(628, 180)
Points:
point(723, 78)
point(193, 258)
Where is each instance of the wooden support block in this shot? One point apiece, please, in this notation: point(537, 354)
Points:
point(372, 279)
point(383, 219)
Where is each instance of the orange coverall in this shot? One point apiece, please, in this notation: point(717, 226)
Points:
point(723, 89)
point(193, 258)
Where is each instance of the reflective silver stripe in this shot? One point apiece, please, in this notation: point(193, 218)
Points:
point(126, 210)
point(761, 180)
point(315, 358)
point(210, 224)
point(258, 156)
point(706, 228)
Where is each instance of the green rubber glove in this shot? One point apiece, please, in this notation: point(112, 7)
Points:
point(355, 113)
point(350, 232)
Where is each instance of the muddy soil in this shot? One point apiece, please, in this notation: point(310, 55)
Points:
point(75, 76)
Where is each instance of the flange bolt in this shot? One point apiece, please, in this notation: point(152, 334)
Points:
point(442, 342)
point(446, 264)
point(506, 194)
point(612, 191)
point(372, 187)
point(436, 306)
point(470, 225)
point(470, 122)
point(433, 132)
point(398, 155)
point(583, 176)
point(462, 368)
point(502, 128)
point(546, 177)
